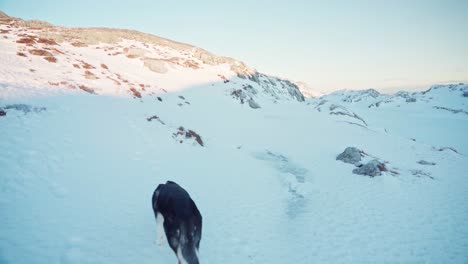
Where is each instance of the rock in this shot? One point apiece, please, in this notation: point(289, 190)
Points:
point(135, 52)
point(350, 155)
point(183, 133)
point(155, 65)
point(253, 104)
point(411, 100)
point(2, 113)
point(465, 94)
point(423, 162)
point(372, 168)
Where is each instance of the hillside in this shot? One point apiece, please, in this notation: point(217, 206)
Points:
point(120, 62)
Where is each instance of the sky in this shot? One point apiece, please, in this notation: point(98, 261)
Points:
point(331, 45)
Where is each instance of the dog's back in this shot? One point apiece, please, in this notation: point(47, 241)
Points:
point(182, 220)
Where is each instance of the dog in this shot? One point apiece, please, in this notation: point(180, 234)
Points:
point(178, 218)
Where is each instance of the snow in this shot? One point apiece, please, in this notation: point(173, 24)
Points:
point(77, 170)
point(77, 180)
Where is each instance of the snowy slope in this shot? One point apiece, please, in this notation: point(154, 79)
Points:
point(77, 170)
point(119, 62)
point(437, 116)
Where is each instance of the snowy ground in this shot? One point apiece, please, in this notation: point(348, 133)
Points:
point(76, 181)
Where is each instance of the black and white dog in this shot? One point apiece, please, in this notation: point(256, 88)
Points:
point(178, 217)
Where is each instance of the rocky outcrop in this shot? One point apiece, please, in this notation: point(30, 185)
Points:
point(372, 168)
point(134, 52)
point(156, 65)
point(185, 134)
point(423, 162)
point(24, 108)
point(350, 155)
point(253, 104)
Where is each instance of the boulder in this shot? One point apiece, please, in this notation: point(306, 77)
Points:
point(423, 162)
point(155, 65)
point(350, 155)
point(253, 104)
point(372, 168)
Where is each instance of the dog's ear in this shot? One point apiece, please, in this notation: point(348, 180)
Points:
point(171, 182)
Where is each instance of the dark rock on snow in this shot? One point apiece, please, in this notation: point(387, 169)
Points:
point(350, 155)
point(372, 168)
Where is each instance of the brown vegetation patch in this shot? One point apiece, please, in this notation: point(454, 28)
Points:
point(104, 66)
point(39, 52)
point(87, 65)
point(32, 70)
point(27, 40)
point(76, 66)
point(173, 60)
point(114, 80)
point(90, 75)
point(57, 51)
point(191, 64)
point(21, 54)
point(78, 44)
point(135, 92)
point(51, 59)
point(54, 83)
point(86, 89)
point(132, 56)
point(47, 41)
point(4, 31)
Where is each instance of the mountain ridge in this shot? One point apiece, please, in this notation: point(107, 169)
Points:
point(72, 48)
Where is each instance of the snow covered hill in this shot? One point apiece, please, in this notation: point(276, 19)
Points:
point(120, 62)
point(78, 165)
point(437, 116)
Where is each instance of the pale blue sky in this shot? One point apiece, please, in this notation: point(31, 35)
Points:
point(329, 44)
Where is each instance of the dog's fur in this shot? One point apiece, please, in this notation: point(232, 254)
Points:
point(178, 216)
